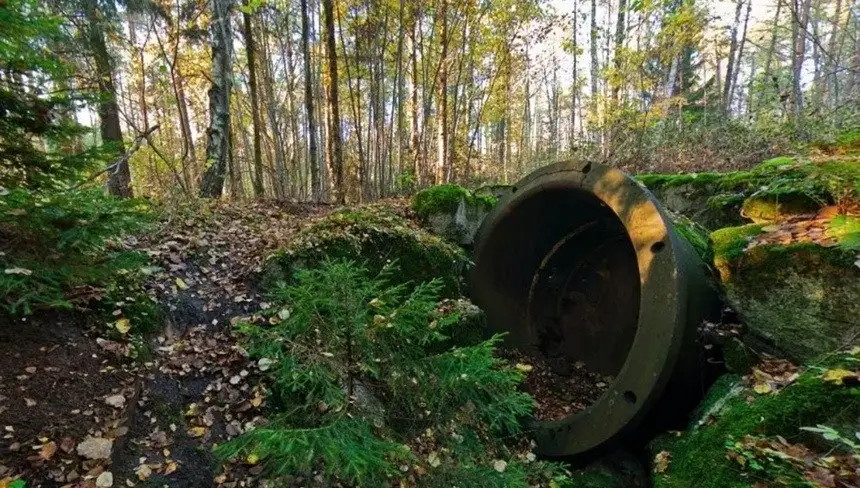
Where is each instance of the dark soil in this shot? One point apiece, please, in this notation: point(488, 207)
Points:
point(54, 379)
point(560, 387)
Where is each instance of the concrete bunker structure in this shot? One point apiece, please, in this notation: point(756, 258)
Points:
point(581, 262)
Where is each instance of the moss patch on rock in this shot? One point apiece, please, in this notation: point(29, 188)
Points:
point(769, 191)
point(375, 236)
point(446, 198)
point(801, 300)
point(762, 209)
point(730, 412)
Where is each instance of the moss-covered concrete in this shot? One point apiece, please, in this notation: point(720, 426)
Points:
point(800, 300)
point(775, 208)
point(374, 236)
point(766, 192)
point(446, 198)
point(729, 412)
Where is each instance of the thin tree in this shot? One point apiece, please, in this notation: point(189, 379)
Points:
point(442, 96)
point(334, 104)
point(251, 52)
point(316, 187)
point(800, 12)
point(119, 176)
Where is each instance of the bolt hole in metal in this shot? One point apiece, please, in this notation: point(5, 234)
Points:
point(630, 397)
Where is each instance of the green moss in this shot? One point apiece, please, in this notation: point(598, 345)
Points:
point(698, 457)
point(845, 229)
point(445, 198)
point(800, 300)
point(656, 180)
point(696, 235)
point(774, 208)
point(730, 242)
point(374, 236)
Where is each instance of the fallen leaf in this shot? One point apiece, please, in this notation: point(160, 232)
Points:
point(30, 402)
point(762, 388)
point(197, 431)
point(433, 459)
point(500, 465)
point(838, 376)
point(48, 450)
point(170, 467)
point(143, 472)
point(661, 461)
point(525, 368)
point(181, 284)
point(18, 271)
point(123, 325)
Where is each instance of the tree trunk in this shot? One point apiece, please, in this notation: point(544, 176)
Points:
point(574, 89)
point(442, 96)
point(739, 56)
point(730, 64)
point(250, 50)
point(416, 137)
point(334, 105)
point(595, 64)
point(118, 178)
point(218, 135)
point(832, 63)
point(619, 44)
point(801, 19)
point(309, 106)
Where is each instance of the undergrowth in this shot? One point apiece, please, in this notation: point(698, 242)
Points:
point(366, 396)
point(61, 249)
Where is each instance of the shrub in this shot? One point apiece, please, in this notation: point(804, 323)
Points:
point(60, 249)
point(365, 396)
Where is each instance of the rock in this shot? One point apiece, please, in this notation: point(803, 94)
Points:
point(374, 236)
point(798, 300)
point(452, 211)
point(767, 192)
point(731, 411)
point(115, 401)
point(95, 448)
point(471, 325)
point(105, 480)
point(774, 208)
point(459, 226)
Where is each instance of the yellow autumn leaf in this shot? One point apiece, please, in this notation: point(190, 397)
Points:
point(762, 388)
point(181, 284)
point(170, 467)
point(197, 431)
point(525, 368)
point(837, 376)
point(661, 461)
point(252, 459)
point(122, 325)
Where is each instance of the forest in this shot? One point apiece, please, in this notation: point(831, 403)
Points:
point(430, 243)
point(341, 100)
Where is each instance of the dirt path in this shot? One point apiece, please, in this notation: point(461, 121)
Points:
point(77, 413)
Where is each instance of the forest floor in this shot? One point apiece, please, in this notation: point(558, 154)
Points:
point(76, 412)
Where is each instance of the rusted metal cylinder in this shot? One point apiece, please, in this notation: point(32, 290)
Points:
point(581, 262)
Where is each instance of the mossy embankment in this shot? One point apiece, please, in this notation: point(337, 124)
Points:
point(374, 236)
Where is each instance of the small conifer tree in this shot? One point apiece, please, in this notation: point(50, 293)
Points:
point(367, 391)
